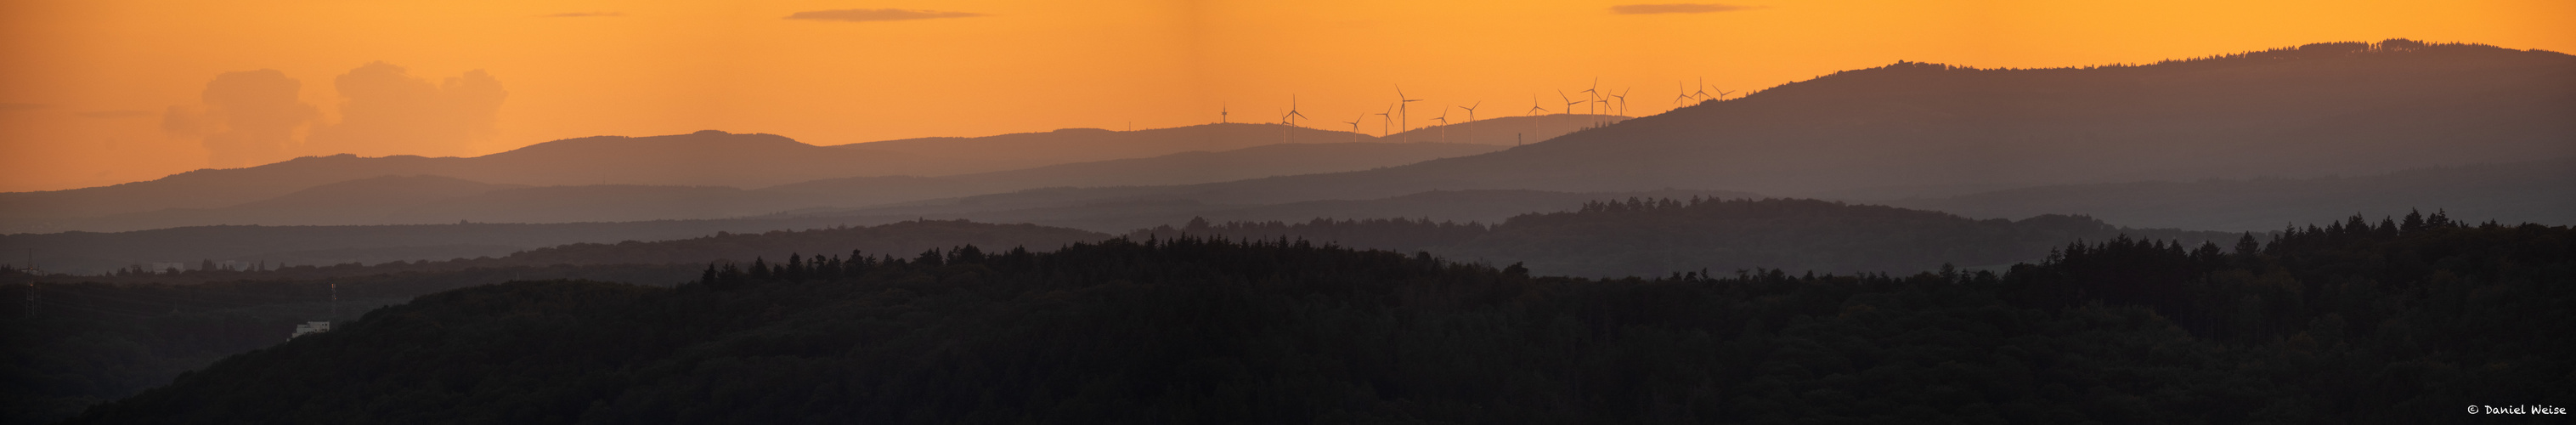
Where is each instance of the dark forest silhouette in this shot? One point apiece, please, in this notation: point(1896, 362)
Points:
point(1652, 237)
point(2353, 322)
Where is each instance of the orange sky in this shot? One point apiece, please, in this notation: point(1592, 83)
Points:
point(85, 85)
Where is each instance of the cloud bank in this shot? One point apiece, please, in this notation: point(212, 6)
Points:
point(1652, 9)
point(386, 111)
point(258, 113)
point(876, 15)
point(255, 117)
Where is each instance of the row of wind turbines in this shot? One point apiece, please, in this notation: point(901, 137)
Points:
point(1399, 113)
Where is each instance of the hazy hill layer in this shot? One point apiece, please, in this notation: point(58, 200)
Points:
point(1501, 129)
point(1024, 150)
point(94, 253)
point(427, 199)
point(1913, 128)
point(394, 200)
point(1652, 237)
point(1178, 168)
point(1121, 216)
point(2519, 192)
point(707, 158)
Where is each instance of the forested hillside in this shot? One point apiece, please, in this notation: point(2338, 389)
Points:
point(90, 339)
point(95, 253)
point(1656, 237)
point(2522, 191)
point(2354, 322)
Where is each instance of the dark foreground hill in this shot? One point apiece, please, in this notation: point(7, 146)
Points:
point(91, 339)
point(1654, 237)
point(2351, 323)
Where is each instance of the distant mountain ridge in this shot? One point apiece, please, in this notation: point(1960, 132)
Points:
point(1023, 150)
point(706, 158)
point(1179, 168)
point(1928, 129)
point(250, 195)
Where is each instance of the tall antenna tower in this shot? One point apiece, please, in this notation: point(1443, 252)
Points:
point(335, 301)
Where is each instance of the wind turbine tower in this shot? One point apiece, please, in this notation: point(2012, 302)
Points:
point(1289, 118)
point(1355, 126)
point(1444, 124)
point(1623, 100)
point(1383, 121)
point(1593, 95)
point(1681, 95)
point(1404, 111)
point(1569, 101)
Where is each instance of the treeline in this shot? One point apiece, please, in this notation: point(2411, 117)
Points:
point(2349, 323)
point(724, 246)
point(72, 345)
point(1672, 236)
point(83, 340)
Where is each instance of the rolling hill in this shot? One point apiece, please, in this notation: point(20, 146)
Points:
point(1025, 150)
point(2517, 192)
point(706, 158)
point(1916, 129)
point(437, 198)
point(1179, 168)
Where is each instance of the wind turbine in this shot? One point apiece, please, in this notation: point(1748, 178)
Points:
point(1471, 110)
point(1721, 94)
point(1569, 101)
point(1623, 100)
point(1592, 94)
point(1290, 118)
point(1355, 126)
point(1404, 109)
point(1681, 95)
point(1382, 121)
point(1603, 103)
point(1533, 106)
point(1444, 124)
point(1703, 89)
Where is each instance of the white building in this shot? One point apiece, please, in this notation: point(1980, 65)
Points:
point(310, 327)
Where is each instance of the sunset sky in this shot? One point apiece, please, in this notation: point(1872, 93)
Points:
point(96, 92)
